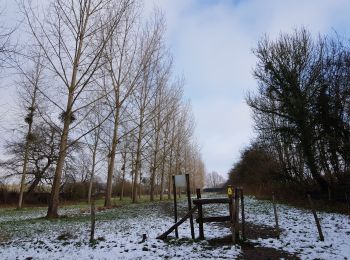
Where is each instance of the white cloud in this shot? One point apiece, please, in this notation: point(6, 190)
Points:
point(212, 41)
point(224, 128)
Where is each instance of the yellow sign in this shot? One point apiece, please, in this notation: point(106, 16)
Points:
point(229, 191)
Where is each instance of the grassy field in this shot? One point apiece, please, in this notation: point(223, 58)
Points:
point(119, 233)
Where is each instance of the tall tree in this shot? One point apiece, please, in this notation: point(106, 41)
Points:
point(124, 63)
point(72, 38)
point(31, 84)
point(152, 48)
point(301, 107)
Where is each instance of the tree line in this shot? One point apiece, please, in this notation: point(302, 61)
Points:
point(100, 100)
point(301, 111)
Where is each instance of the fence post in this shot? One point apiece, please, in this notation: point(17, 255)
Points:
point(231, 211)
point(316, 218)
point(189, 203)
point(200, 216)
point(232, 221)
point(276, 215)
point(93, 208)
point(175, 206)
point(236, 215)
point(348, 203)
point(243, 215)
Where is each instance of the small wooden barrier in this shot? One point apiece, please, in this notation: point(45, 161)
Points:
point(233, 217)
point(201, 219)
point(165, 234)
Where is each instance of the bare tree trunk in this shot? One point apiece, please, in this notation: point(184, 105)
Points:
point(122, 186)
point(52, 211)
point(162, 176)
point(108, 195)
point(132, 173)
point(29, 120)
point(170, 174)
point(138, 161)
point(123, 177)
point(140, 186)
point(92, 170)
point(24, 171)
point(154, 167)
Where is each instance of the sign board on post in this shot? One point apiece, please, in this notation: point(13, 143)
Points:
point(183, 181)
point(229, 191)
point(180, 180)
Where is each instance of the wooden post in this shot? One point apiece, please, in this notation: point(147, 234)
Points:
point(348, 203)
point(175, 207)
point(200, 216)
point(189, 203)
point(276, 216)
point(236, 217)
point(92, 233)
point(316, 218)
point(232, 213)
point(144, 238)
point(243, 216)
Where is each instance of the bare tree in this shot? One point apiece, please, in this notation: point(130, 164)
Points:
point(42, 156)
point(31, 84)
point(214, 180)
point(6, 47)
point(93, 140)
point(144, 94)
point(73, 38)
point(124, 64)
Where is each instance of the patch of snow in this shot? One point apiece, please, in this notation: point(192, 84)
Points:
point(120, 237)
point(299, 232)
point(119, 233)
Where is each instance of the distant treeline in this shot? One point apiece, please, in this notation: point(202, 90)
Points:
point(301, 111)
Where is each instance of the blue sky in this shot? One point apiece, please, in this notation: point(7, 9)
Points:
point(212, 41)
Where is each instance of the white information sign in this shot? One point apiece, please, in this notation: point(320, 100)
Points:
point(180, 180)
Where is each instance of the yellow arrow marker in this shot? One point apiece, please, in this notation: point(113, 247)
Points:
point(229, 191)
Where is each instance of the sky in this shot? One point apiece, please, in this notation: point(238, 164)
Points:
point(212, 42)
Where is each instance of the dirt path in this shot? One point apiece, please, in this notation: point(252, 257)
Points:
point(251, 250)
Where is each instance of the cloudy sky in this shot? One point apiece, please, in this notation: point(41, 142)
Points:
point(211, 41)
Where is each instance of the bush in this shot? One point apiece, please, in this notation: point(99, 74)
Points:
point(75, 191)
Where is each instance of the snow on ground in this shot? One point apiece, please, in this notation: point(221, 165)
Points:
point(300, 234)
point(119, 233)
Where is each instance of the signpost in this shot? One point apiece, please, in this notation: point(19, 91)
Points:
point(231, 209)
point(181, 181)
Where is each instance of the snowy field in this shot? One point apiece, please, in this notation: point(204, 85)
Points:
point(118, 232)
point(299, 232)
point(24, 234)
